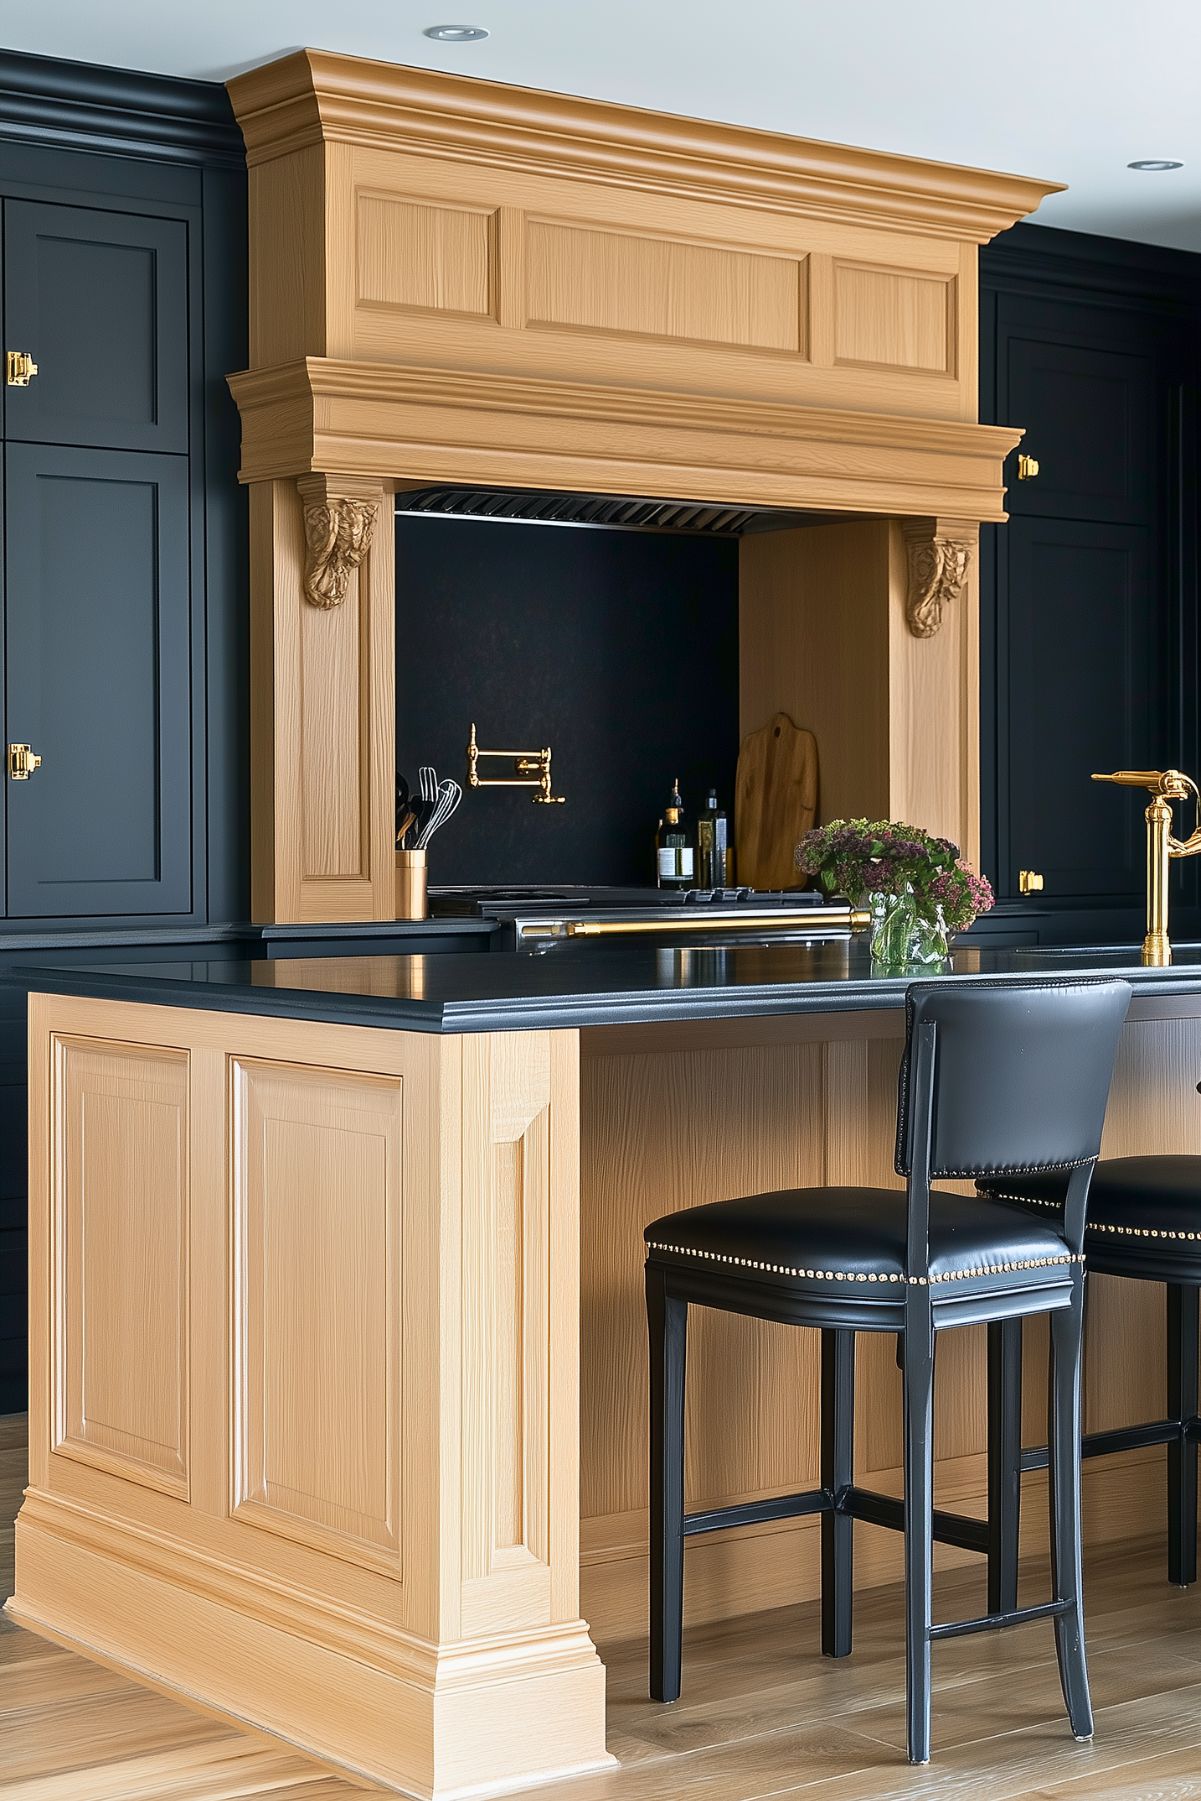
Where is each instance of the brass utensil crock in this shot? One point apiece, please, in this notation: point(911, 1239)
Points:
point(411, 877)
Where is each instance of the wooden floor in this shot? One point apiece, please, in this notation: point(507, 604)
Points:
point(763, 1714)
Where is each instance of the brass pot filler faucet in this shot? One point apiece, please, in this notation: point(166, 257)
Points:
point(1164, 786)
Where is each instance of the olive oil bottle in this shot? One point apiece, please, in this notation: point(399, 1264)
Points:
point(714, 862)
point(673, 852)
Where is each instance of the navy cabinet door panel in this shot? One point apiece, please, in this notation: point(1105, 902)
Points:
point(100, 301)
point(1088, 410)
point(98, 682)
point(1081, 672)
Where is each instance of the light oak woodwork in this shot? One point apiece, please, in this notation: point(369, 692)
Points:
point(119, 1263)
point(895, 319)
point(443, 424)
point(323, 682)
point(461, 282)
point(317, 1231)
point(824, 636)
point(377, 1554)
point(635, 285)
point(314, 97)
point(414, 256)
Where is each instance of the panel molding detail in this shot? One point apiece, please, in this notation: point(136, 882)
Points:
point(316, 1332)
point(506, 1330)
point(894, 318)
point(120, 1372)
point(583, 277)
point(413, 254)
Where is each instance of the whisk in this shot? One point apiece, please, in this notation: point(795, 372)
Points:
point(446, 797)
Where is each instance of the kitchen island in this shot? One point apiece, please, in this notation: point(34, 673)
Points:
point(338, 1378)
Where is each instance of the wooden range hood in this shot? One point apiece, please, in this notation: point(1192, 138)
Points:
point(454, 281)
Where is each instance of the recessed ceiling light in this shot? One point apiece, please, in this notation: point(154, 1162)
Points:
point(455, 34)
point(1155, 165)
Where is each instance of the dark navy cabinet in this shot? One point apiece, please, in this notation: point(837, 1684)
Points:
point(123, 607)
point(1089, 593)
point(99, 299)
point(99, 683)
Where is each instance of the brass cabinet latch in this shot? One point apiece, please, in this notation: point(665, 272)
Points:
point(1027, 467)
point(1030, 881)
point(19, 368)
point(22, 762)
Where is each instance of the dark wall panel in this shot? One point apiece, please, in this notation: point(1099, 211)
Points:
point(618, 649)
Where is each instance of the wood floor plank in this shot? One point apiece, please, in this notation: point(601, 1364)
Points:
point(1176, 1777)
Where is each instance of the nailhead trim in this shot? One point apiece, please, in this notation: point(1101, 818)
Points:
point(843, 1275)
point(1096, 1225)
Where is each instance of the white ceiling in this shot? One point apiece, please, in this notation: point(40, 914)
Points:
point(1070, 90)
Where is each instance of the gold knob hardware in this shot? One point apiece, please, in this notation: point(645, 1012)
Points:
point(1027, 468)
point(22, 762)
point(19, 368)
point(1029, 881)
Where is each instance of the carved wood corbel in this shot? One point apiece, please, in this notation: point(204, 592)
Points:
point(339, 521)
point(940, 556)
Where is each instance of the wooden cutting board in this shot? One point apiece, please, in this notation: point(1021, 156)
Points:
point(775, 803)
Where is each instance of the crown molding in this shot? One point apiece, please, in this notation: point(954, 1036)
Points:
point(314, 97)
point(120, 111)
point(407, 425)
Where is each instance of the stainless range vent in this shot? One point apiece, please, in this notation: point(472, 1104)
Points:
point(614, 511)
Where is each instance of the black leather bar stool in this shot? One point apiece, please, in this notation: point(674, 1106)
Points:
point(997, 1077)
point(1144, 1223)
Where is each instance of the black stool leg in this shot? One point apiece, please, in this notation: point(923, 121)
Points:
point(1182, 1452)
point(837, 1475)
point(1067, 1574)
point(919, 1517)
point(667, 1323)
point(1004, 1462)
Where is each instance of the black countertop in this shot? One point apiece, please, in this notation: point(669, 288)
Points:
point(571, 984)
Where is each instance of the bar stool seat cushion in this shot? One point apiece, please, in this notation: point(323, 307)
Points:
point(830, 1239)
point(1135, 1205)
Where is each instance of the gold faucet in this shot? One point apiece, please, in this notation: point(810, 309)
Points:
point(1164, 786)
point(531, 769)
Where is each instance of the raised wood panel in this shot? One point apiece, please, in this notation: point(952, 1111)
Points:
point(322, 681)
point(812, 612)
point(317, 1197)
point(506, 1330)
point(636, 285)
point(894, 319)
point(823, 636)
point(119, 1270)
point(415, 255)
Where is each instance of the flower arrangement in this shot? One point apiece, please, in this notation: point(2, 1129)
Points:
point(864, 857)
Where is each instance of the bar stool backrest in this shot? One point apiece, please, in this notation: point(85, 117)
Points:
point(1005, 1076)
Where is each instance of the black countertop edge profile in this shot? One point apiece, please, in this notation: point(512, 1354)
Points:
point(452, 993)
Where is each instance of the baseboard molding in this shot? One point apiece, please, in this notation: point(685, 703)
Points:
point(778, 1565)
point(464, 1730)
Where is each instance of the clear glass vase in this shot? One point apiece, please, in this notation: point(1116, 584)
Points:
point(902, 936)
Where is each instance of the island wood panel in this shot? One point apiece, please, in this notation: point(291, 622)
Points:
point(119, 1271)
point(317, 1232)
point(823, 636)
point(377, 1556)
point(740, 1107)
